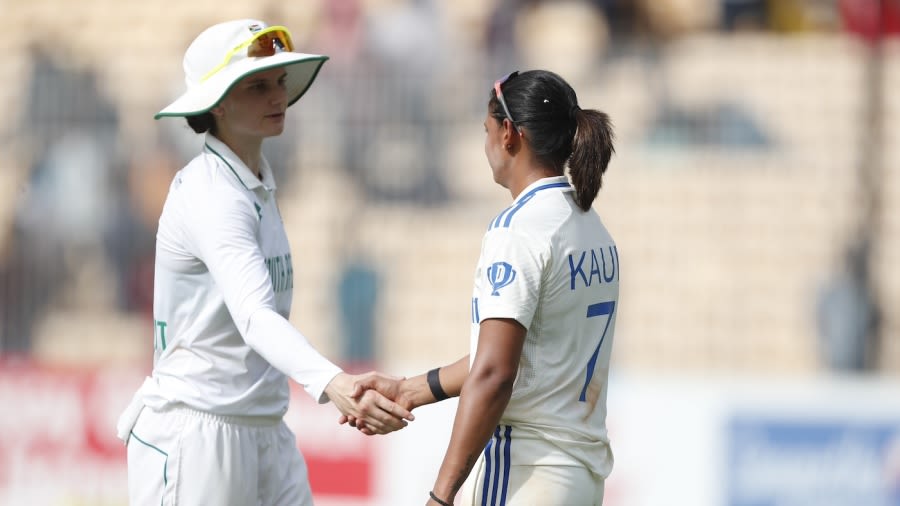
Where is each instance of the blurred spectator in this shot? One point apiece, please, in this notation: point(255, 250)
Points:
point(358, 289)
point(68, 200)
point(130, 241)
point(505, 35)
point(62, 99)
point(575, 28)
point(669, 19)
point(624, 20)
point(383, 72)
point(871, 18)
point(790, 16)
point(31, 271)
point(500, 39)
point(342, 32)
point(744, 15)
point(403, 150)
point(70, 128)
point(348, 86)
point(847, 315)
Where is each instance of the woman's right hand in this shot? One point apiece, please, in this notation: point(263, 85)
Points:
point(371, 409)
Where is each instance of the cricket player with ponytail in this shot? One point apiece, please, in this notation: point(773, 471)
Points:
point(531, 422)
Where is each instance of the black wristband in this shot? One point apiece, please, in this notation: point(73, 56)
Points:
point(431, 493)
point(434, 383)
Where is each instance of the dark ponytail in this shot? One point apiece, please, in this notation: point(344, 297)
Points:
point(592, 148)
point(558, 131)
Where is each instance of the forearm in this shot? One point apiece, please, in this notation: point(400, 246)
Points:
point(483, 400)
point(286, 349)
point(417, 392)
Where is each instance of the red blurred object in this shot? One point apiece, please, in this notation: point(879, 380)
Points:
point(865, 17)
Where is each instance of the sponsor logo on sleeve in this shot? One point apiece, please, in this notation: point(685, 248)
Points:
point(500, 274)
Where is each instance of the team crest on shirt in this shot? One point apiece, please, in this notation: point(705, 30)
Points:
point(500, 274)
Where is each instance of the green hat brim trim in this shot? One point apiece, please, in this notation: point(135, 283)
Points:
point(315, 74)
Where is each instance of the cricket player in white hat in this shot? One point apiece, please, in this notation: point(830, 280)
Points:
point(206, 427)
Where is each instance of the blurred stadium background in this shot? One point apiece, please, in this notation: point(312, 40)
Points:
point(755, 198)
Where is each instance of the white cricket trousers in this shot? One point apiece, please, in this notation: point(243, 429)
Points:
point(500, 478)
point(183, 457)
point(532, 486)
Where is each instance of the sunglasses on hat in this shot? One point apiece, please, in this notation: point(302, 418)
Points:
point(268, 42)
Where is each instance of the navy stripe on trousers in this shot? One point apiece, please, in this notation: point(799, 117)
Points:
point(496, 467)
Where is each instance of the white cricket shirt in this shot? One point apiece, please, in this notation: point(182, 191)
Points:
point(222, 295)
point(554, 269)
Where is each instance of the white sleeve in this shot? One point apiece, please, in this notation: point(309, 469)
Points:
point(290, 352)
point(223, 235)
point(513, 267)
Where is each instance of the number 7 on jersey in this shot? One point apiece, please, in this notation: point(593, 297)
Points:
point(598, 309)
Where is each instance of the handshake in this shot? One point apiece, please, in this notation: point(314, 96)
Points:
point(377, 403)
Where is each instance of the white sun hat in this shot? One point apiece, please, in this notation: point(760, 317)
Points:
point(225, 53)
